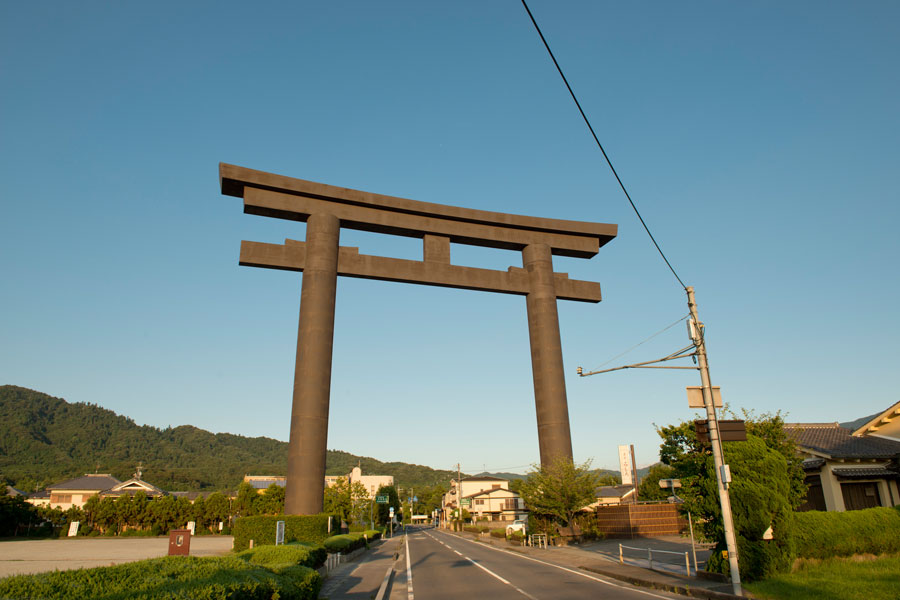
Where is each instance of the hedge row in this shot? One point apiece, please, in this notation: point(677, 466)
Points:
point(476, 529)
point(827, 534)
point(169, 578)
point(498, 533)
point(276, 558)
point(297, 528)
point(349, 542)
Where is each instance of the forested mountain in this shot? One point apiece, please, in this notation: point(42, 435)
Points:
point(44, 440)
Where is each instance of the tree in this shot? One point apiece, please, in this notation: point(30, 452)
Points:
point(767, 485)
point(649, 488)
point(337, 501)
point(272, 500)
point(560, 489)
point(359, 501)
point(246, 500)
point(609, 479)
point(217, 509)
point(382, 511)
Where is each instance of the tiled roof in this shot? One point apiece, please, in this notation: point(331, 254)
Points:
point(485, 478)
point(262, 484)
point(813, 464)
point(836, 441)
point(862, 473)
point(88, 482)
point(614, 491)
point(40, 494)
point(489, 492)
point(11, 491)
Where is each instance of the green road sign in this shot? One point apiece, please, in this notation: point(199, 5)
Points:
point(466, 502)
point(381, 499)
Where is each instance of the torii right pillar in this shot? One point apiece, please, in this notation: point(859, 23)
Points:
point(554, 437)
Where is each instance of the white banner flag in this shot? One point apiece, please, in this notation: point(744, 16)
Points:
point(625, 465)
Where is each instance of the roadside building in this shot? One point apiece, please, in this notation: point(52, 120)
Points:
point(75, 492)
point(487, 498)
point(611, 495)
point(370, 482)
point(850, 469)
point(11, 491)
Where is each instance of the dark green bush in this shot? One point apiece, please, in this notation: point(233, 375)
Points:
point(344, 543)
point(760, 498)
point(517, 536)
point(261, 529)
point(172, 577)
point(277, 558)
point(498, 533)
point(472, 529)
point(828, 534)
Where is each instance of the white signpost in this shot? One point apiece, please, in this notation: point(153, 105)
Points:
point(73, 528)
point(191, 526)
point(279, 533)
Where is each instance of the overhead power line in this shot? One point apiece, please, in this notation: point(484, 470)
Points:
point(599, 145)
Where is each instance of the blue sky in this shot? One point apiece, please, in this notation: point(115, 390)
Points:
point(759, 140)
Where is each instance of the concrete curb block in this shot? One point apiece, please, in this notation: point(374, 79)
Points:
point(684, 590)
point(385, 582)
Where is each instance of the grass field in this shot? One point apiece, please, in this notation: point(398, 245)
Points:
point(856, 578)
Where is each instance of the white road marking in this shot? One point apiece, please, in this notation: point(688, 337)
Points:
point(574, 572)
point(409, 585)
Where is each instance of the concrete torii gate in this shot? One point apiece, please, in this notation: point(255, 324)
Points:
point(326, 209)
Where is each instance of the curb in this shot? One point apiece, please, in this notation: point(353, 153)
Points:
point(684, 590)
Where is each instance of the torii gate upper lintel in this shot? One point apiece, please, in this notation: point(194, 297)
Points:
point(326, 210)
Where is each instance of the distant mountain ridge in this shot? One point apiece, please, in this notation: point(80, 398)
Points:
point(44, 440)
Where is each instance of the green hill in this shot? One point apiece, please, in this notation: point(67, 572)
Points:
point(44, 440)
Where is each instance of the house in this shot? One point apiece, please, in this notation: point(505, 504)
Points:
point(485, 497)
point(849, 469)
point(885, 425)
point(11, 491)
point(262, 482)
point(75, 492)
point(371, 482)
point(611, 495)
point(131, 487)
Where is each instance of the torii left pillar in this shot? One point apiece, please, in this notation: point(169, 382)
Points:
point(312, 372)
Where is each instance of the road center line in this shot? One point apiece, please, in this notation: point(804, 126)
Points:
point(574, 572)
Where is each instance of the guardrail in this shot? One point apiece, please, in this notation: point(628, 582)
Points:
point(650, 551)
point(538, 539)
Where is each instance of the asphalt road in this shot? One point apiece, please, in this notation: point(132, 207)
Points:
point(440, 565)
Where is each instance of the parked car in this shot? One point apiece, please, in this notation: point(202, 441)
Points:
point(517, 525)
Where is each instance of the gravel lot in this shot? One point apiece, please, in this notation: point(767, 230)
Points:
point(35, 556)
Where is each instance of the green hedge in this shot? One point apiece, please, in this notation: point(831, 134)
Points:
point(297, 528)
point(168, 578)
point(277, 558)
point(827, 534)
point(498, 533)
point(344, 543)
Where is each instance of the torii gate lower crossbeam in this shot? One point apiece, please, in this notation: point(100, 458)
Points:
point(328, 209)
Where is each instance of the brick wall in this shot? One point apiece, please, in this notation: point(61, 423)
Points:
point(640, 520)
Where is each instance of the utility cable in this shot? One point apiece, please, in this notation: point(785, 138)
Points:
point(597, 368)
point(596, 139)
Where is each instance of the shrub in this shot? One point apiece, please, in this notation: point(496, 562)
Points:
point(828, 534)
point(261, 529)
point(498, 533)
point(517, 536)
point(472, 529)
point(171, 577)
point(344, 543)
point(277, 558)
point(760, 498)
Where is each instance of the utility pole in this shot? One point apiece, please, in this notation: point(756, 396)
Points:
point(459, 494)
point(723, 475)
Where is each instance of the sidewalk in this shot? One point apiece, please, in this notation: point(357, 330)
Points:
point(603, 558)
point(363, 579)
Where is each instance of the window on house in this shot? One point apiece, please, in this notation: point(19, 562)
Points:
point(479, 502)
point(60, 498)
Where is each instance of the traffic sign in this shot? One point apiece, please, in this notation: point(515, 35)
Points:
point(391, 514)
point(466, 502)
point(381, 499)
point(729, 431)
